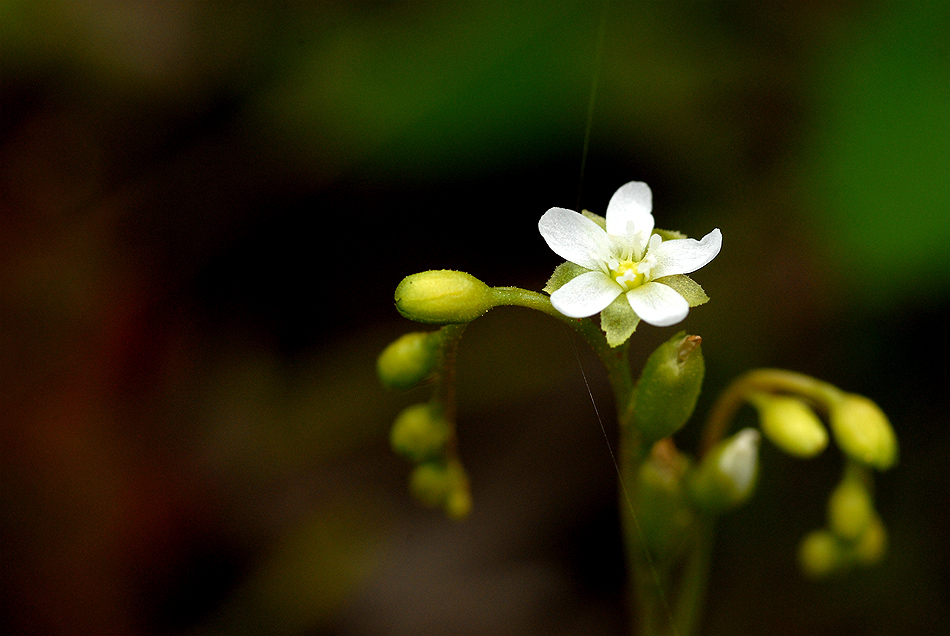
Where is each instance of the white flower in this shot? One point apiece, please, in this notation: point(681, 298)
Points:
point(625, 258)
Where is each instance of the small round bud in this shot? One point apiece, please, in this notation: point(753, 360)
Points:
point(408, 361)
point(443, 297)
point(850, 510)
point(863, 431)
point(420, 433)
point(431, 483)
point(820, 554)
point(726, 476)
point(459, 503)
point(442, 484)
point(790, 424)
point(666, 393)
point(872, 545)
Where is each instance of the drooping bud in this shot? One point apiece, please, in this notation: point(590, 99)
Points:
point(443, 297)
point(872, 544)
point(820, 554)
point(420, 432)
point(666, 393)
point(442, 484)
point(790, 424)
point(863, 431)
point(408, 360)
point(726, 477)
point(850, 509)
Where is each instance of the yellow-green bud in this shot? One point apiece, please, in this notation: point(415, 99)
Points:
point(872, 544)
point(408, 361)
point(790, 424)
point(820, 554)
point(443, 297)
point(863, 431)
point(431, 483)
point(442, 484)
point(420, 432)
point(666, 392)
point(850, 510)
point(726, 477)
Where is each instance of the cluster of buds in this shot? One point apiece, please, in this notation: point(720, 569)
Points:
point(424, 433)
point(854, 535)
point(792, 411)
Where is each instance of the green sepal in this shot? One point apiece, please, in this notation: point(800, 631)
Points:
point(619, 321)
point(669, 235)
point(685, 287)
point(596, 218)
point(562, 275)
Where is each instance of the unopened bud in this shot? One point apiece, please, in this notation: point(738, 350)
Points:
point(790, 424)
point(863, 431)
point(850, 509)
point(443, 297)
point(666, 393)
point(820, 554)
point(872, 544)
point(442, 484)
point(420, 433)
point(726, 476)
point(408, 360)
point(664, 514)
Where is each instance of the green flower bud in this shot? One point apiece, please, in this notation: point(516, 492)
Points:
point(408, 361)
point(872, 544)
point(664, 514)
point(443, 297)
point(431, 483)
point(666, 392)
point(790, 424)
point(726, 477)
point(442, 484)
point(863, 431)
point(850, 510)
point(420, 433)
point(820, 554)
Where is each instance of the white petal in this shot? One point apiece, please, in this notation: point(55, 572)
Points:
point(585, 295)
point(632, 203)
point(658, 304)
point(682, 256)
point(574, 237)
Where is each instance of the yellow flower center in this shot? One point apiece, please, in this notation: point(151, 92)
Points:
point(627, 274)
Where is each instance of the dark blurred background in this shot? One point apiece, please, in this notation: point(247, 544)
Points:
point(205, 208)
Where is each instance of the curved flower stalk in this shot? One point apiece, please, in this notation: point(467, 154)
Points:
point(622, 257)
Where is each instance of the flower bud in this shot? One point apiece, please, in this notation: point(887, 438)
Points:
point(443, 297)
point(790, 424)
point(726, 476)
point(850, 510)
point(666, 392)
point(863, 431)
point(820, 554)
point(872, 544)
point(408, 361)
point(442, 484)
point(420, 433)
point(664, 514)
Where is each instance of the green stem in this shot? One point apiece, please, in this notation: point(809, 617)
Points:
point(692, 592)
point(768, 380)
